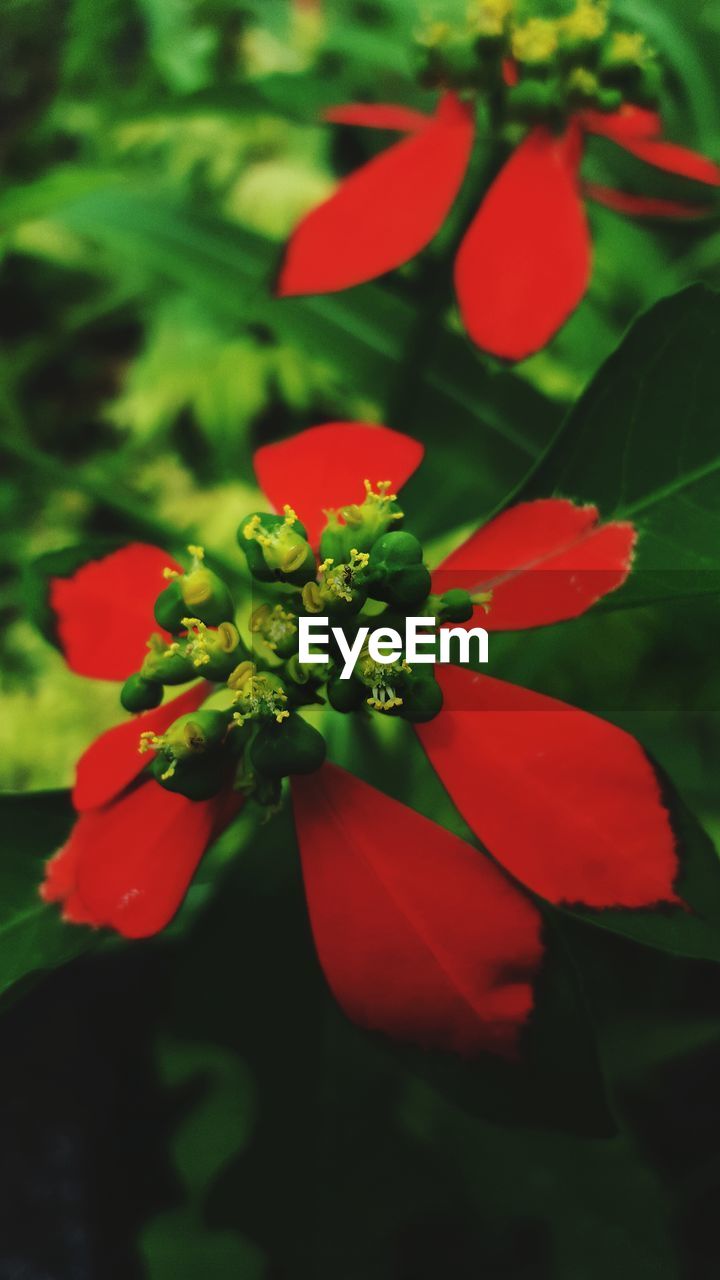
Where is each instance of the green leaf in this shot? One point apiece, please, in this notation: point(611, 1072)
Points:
point(33, 937)
point(178, 1244)
point(491, 419)
point(643, 445)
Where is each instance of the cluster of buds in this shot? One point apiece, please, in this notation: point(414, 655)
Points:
point(538, 65)
point(370, 575)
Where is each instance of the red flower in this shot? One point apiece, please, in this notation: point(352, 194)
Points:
point(420, 934)
point(524, 263)
point(135, 847)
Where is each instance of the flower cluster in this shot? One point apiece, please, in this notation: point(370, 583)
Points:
point(533, 65)
point(535, 85)
point(421, 934)
point(375, 577)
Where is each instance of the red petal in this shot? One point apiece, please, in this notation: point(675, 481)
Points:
point(524, 264)
point(420, 936)
point(105, 610)
point(60, 881)
point(325, 467)
point(386, 212)
point(675, 159)
point(544, 561)
point(113, 760)
point(129, 865)
point(627, 123)
point(566, 802)
point(378, 115)
point(643, 206)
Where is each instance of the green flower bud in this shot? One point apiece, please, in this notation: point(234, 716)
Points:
point(396, 571)
point(446, 57)
point(628, 64)
point(346, 695)
point(259, 695)
point(276, 628)
point(535, 99)
point(358, 526)
point(422, 698)
point(189, 735)
point(188, 758)
point(395, 550)
point(608, 99)
point(581, 88)
point(276, 548)
point(626, 49)
point(199, 593)
point(340, 588)
point(301, 683)
point(214, 654)
point(535, 42)
point(139, 694)
point(581, 31)
point(167, 664)
point(291, 747)
point(199, 778)
point(454, 606)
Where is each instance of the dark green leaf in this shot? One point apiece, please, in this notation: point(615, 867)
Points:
point(643, 444)
point(33, 936)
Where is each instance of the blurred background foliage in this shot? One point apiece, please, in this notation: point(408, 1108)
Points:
point(155, 153)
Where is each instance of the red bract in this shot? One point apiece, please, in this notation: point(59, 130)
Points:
point(420, 934)
point(525, 260)
point(135, 847)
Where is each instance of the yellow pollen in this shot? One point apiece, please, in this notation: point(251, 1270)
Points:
point(588, 22)
point(487, 17)
point(149, 741)
point(383, 698)
point(250, 530)
point(434, 33)
point(583, 81)
point(535, 41)
point(628, 46)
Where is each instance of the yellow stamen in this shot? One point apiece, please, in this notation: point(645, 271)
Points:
point(487, 17)
point(630, 47)
point(588, 21)
point(535, 41)
point(311, 598)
